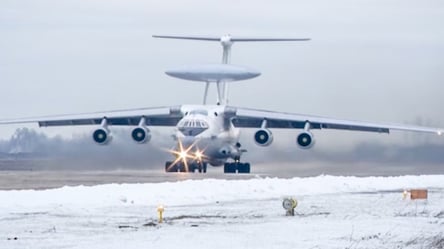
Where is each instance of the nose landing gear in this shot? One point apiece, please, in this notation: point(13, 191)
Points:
point(171, 167)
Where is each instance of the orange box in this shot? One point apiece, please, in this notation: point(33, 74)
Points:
point(418, 194)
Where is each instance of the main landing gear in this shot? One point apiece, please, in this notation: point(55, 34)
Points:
point(237, 167)
point(229, 168)
point(180, 167)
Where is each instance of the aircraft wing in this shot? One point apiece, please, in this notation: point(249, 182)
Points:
point(252, 118)
point(156, 116)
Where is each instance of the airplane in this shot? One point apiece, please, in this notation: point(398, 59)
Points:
point(210, 133)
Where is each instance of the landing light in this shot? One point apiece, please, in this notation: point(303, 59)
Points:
point(183, 154)
point(439, 133)
point(198, 155)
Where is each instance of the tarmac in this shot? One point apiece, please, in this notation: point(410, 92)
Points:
point(18, 180)
point(22, 176)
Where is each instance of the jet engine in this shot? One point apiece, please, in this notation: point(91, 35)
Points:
point(305, 140)
point(141, 135)
point(102, 136)
point(263, 137)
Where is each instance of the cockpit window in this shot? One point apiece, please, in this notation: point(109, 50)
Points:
point(193, 123)
point(192, 127)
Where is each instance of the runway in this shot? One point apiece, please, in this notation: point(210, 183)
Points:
point(47, 179)
point(36, 176)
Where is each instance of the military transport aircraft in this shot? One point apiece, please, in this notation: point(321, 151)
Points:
point(209, 133)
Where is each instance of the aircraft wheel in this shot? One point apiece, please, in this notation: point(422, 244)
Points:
point(169, 167)
point(204, 167)
point(182, 168)
point(230, 168)
point(191, 168)
point(243, 168)
point(201, 167)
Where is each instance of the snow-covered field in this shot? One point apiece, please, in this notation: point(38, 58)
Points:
point(333, 212)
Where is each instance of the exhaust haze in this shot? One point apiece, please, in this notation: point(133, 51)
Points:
point(29, 149)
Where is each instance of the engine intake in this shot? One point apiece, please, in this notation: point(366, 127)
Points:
point(305, 140)
point(101, 136)
point(263, 137)
point(141, 135)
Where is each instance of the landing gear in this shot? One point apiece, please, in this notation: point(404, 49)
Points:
point(241, 168)
point(170, 167)
point(180, 167)
point(200, 167)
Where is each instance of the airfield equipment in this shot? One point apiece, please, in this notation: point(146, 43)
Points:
point(415, 194)
point(289, 204)
point(418, 194)
point(160, 210)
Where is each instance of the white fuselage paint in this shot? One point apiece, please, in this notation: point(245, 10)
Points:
point(206, 129)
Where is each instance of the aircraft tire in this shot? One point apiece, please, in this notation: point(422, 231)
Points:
point(201, 167)
point(243, 168)
point(169, 168)
point(230, 168)
point(191, 168)
point(182, 168)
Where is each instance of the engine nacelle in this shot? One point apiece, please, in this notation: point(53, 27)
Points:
point(305, 140)
point(263, 137)
point(101, 136)
point(141, 135)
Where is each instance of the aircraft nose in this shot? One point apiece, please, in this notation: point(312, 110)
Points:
point(188, 141)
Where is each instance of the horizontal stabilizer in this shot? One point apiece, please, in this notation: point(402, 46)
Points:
point(215, 38)
point(236, 39)
point(229, 38)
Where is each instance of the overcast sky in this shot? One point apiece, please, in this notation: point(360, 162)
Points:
point(372, 60)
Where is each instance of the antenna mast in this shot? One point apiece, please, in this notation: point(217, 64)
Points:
point(226, 42)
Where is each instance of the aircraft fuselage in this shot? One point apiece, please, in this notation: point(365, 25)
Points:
point(206, 134)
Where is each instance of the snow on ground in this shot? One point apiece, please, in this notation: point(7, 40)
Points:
point(333, 212)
